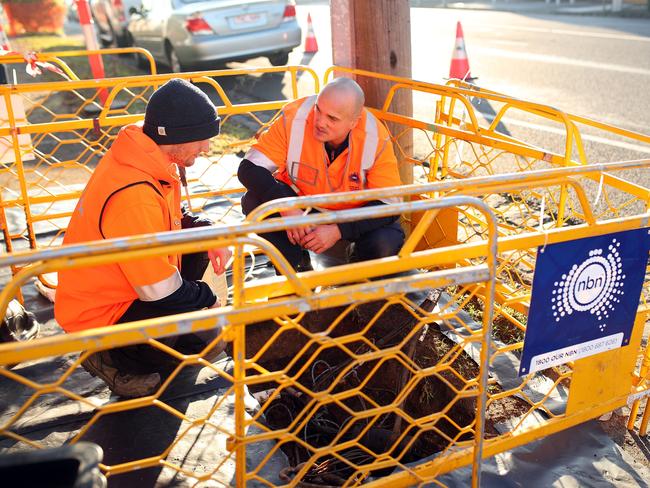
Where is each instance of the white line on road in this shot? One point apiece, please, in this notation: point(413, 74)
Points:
point(601, 35)
point(585, 137)
point(546, 58)
point(509, 43)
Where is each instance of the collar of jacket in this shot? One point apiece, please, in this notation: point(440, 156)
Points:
point(134, 148)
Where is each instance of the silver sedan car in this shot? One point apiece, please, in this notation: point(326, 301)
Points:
point(188, 34)
point(111, 18)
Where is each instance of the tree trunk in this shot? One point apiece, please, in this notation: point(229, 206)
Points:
point(375, 35)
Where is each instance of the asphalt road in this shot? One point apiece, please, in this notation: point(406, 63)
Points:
point(593, 66)
point(596, 67)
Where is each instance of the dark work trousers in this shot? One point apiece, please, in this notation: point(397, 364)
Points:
point(145, 359)
point(378, 243)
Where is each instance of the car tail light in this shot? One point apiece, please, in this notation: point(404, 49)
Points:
point(289, 12)
point(119, 9)
point(195, 24)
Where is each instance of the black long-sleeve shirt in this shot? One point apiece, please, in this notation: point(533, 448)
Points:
point(192, 294)
point(261, 183)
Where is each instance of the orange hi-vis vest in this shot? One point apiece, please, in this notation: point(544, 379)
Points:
point(290, 151)
point(134, 190)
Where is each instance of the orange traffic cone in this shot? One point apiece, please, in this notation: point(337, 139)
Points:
point(311, 46)
point(4, 40)
point(459, 63)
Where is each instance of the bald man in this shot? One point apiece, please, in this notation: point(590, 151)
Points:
point(325, 144)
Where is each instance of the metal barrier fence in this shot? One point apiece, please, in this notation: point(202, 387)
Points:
point(385, 379)
point(50, 146)
point(50, 143)
point(58, 59)
point(364, 399)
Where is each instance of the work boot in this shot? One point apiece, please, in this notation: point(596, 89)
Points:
point(124, 385)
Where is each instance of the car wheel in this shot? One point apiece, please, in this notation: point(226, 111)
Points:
point(279, 59)
point(123, 40)
point(173, 61)
point(141, 61)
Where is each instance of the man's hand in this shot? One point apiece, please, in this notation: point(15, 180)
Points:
point(321, 238)
point(219, 259)
point(295, 234)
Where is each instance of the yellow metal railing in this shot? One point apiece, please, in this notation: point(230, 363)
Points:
point(50, 146)
point(484, 202)
point(267, 317)
point(58, 58)
point(51, 150)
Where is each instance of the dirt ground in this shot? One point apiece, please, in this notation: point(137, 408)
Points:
point(629, 441)
point(429, 396)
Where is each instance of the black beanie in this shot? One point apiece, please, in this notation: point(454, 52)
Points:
point(180, 112)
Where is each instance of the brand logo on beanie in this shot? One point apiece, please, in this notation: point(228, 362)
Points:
point(161, 131)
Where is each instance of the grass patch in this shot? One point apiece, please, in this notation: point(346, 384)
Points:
point(45, 42)
point(233, 138)
point(505, 328)
point(507, 325)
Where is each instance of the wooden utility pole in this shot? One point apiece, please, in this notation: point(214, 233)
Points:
point(375, 35)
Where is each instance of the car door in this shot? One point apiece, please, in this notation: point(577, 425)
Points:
point(137, 26)
point(157, 18)
point(145, 27)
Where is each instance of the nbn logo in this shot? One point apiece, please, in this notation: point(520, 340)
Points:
point(590, 284)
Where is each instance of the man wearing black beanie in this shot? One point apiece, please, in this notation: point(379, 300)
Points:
point(136, 189)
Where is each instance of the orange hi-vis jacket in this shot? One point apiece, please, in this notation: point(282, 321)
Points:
point(134, 190)
point(290, 151)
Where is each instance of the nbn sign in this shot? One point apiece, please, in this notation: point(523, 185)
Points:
point(584, 298)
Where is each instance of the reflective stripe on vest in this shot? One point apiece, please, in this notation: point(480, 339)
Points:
point(370, 149)
point(258, 158)
point(297, 136)
point(161, 289)
point(369, 145)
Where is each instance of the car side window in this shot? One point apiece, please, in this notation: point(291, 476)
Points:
point(148, 5)
point(157, 8)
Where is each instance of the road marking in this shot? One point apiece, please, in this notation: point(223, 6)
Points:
point(567, 32)
point(545, 58)
point(509, 43)
point(585, 137)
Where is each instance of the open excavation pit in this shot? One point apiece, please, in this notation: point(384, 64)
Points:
point(375, 380)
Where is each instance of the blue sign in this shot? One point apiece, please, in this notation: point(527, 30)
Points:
point(584, 298)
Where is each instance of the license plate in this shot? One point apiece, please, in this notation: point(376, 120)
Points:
point(245, 21)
